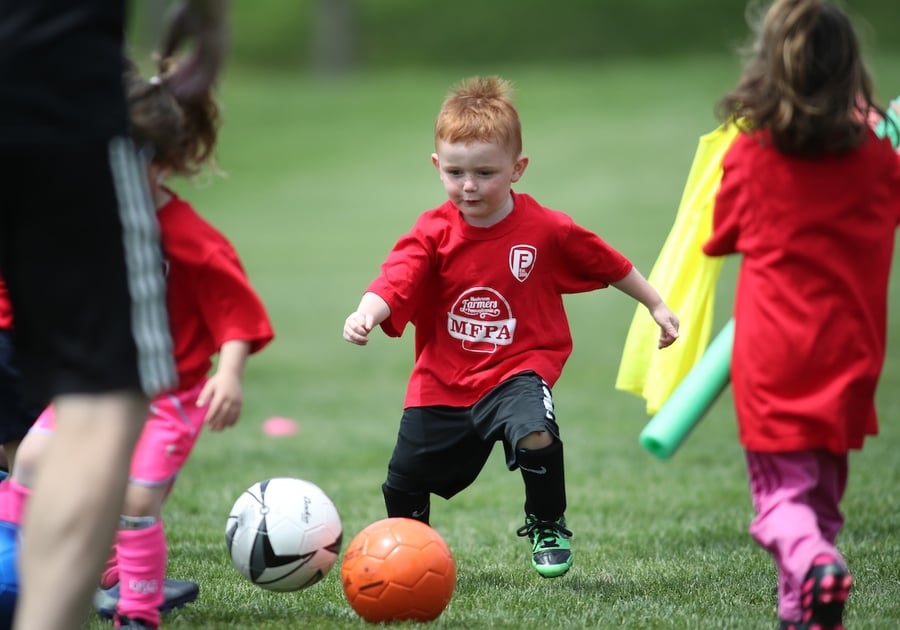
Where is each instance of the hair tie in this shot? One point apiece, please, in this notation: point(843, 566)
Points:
point(154, 80)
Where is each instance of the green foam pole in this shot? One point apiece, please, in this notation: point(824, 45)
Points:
point(890, 126)
point(693, 397)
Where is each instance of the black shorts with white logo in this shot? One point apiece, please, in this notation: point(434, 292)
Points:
point(80, 254)
point(442, 450)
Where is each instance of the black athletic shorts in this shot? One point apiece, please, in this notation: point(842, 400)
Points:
point(442, 449)
point(80, 254)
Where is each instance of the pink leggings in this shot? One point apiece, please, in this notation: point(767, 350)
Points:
point(797, 499)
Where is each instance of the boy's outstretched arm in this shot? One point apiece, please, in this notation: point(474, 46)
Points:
point(636, 286)
point(372, 310)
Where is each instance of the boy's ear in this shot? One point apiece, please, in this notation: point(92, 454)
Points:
point(436, 161)
point(519, 167)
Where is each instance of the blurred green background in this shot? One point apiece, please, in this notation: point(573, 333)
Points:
point(337, 35)
point(329, 109)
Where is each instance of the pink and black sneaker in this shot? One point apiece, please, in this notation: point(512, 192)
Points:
point(824, 593)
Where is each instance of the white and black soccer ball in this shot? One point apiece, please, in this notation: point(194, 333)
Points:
point(283, 534)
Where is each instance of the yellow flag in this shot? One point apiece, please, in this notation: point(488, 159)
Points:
point(686, 279)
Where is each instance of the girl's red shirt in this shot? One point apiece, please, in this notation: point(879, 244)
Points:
point(817, 240)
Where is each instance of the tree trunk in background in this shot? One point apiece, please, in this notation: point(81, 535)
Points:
point(335, 36)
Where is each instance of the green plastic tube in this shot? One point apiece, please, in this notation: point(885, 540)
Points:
point(890, 126)
point(693, 397)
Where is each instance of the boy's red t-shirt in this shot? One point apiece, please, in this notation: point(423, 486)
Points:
point(487, 303)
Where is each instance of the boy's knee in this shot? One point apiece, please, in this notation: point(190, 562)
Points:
point(535, 440)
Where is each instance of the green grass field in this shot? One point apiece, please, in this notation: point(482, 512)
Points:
point(322, 176)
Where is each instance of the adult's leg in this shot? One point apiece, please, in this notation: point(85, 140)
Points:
point(93, 335)
point(64, 554)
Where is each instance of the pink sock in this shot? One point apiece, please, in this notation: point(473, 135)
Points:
point(142, 571)
point(4, 501)
point(110, 574)
point(14, 501)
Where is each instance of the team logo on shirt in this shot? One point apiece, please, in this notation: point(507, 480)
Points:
point(521, 261)
point(482, 320)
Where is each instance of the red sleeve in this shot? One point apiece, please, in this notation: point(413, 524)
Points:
point(401, 281)
point(728, 204)
point(231, 307)
point(588, 262)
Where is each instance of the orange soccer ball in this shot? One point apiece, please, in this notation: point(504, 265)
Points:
point(398, 569)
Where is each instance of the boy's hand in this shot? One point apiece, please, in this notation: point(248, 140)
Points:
point(668, 325)
point(357, 328)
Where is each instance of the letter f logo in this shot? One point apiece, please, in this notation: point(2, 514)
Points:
point(521, 261)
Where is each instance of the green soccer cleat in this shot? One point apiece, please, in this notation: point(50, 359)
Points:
point(551, 552)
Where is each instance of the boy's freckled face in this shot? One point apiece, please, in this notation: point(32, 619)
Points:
point(477, 177)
